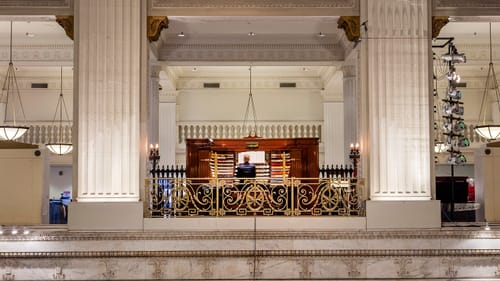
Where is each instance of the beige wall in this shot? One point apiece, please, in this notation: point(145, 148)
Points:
point(21, 186)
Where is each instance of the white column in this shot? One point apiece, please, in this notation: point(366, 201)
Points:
point(333, 127)
point(108, 63)
point(168, 127)
point(398, 99)
point(154, 102)
point(395, 112)
point(350, 108)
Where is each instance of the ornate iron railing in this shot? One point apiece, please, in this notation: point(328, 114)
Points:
point(181, 197)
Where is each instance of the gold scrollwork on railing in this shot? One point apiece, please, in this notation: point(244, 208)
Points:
point(181, 197)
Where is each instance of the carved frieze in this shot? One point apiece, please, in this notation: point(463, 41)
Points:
point(351, 27)
point(49, 53)
point(155, 25)
point(254, 3)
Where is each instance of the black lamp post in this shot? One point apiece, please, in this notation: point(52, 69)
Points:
point(154, 155)
point(354, 156)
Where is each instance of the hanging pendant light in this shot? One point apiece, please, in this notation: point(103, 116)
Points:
point(250, 107)
point(489, 131)
point(10, 92)
point(60, 147)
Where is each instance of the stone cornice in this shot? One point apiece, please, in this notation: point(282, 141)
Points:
point(237, 235)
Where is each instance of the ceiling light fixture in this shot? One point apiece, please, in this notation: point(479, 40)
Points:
point(181, 34)
point(321, 34)
point(30, 35)
point(489, 131)
point(13, 97)
point(59, 147)
point(251, 33)
point(250, 107)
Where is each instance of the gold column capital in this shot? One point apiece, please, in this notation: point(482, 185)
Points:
point(438, 22)
point(67, 22)
point(155, 25)
point(351, 27)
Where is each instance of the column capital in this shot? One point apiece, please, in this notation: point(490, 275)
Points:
point(67, 22)
point(351, 27)
point(155, 25)
point(438, 22)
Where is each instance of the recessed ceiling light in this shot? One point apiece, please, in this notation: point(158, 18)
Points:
point(30, 35)
point(194, 69)
point(251, 33)
point(181, 34)
point(13, 231)
point(321, 34)
point(305, 69)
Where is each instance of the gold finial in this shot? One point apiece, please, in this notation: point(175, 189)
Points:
point(155, 26)
point(350, 25)
point(67, 23)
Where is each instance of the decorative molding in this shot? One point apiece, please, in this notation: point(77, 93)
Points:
point(349, 253)
point(252, 52)
point(403, 263)
point(155, 25)
point(244, 235)
point(438, 22)
point(305, 268)
point(353, 267)
point(109, 269)
point(254, 4)
point(35, 3)
point(46, 53)
point(351, 27)
point(207, 266)
point(158, 265)
point(467, 4)
point(450, 264)
point(67, 23)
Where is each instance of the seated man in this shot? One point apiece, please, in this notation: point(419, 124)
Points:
point(246, 169)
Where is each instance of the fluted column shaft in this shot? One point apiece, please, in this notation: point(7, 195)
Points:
point(108, 55)
point(398, 51)
point(333, 125)
point(350, 108)
point(168, 127)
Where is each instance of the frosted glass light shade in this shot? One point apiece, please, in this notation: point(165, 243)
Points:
point(12, 132)
point(60, 148)
point(489, 132)
point(440, 147)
